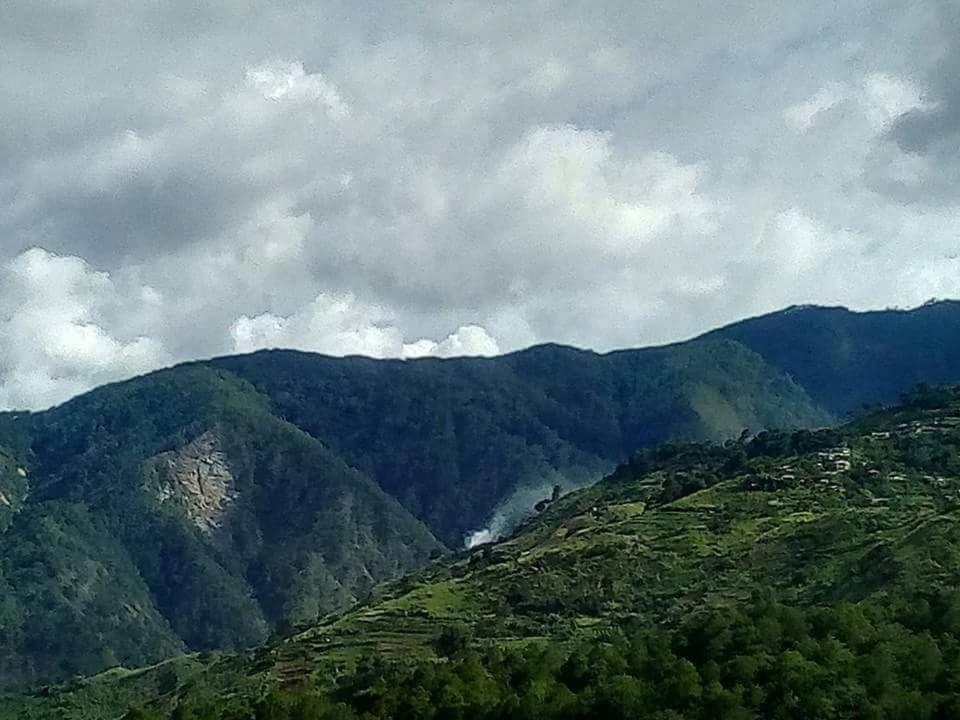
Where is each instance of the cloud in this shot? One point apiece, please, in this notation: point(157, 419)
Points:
point(576, 182)
point(340, 325)
point(918, 162)
point(879, 98)
point(468, 340)
point(53, 343)
point(927, 128)
point(289, 82)
point(802, 116)
point(464, 177)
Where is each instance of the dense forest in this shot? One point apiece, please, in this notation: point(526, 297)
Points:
point(899, 660)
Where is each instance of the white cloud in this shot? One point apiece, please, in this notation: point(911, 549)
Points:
point(119, 160)
point(794, 242)
point(469, 340)
point(331, 324)
point(274, 234)
point(548, 77)
point(880, 96)
point(886, 98)
point(802, 116)
point(340, 325)
point(289, 82)
point(576, 179)
point(53, 343)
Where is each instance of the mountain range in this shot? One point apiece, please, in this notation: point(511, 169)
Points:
point(212, 504)
point(793, 574)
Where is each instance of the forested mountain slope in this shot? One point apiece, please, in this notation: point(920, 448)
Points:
point(846, 359)
point(211, 504)
point(175, 512)
point(451, 439)
point(818, 517)
point(797, 574)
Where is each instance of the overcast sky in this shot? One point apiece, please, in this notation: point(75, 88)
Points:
point(185, 179)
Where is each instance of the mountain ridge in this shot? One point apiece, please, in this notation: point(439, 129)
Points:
point(848, 536)
point(332, 474)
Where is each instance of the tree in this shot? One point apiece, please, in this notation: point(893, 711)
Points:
point(452, 641)
point(139, 713)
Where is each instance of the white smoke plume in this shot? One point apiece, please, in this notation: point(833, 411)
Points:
point(518, 506)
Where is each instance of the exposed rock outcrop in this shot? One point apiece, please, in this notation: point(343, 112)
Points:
point(196, 478)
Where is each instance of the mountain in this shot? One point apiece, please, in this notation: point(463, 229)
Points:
point(818, 517)
point(796, 574)
point(210, 505)
point(452, 439)
point(845, 359)
point(176, 512)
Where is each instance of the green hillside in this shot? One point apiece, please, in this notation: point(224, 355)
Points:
point(214, 504)
point(817, 517)
point(175, 512)
point(192, 509)
point(451, 439)
point(794, 552)
point(846, 359)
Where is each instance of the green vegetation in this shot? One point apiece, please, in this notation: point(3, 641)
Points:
point(215, 504)
point(818, 517)
point(801, 574)
point(846, 360)
point(175, 512)
point(897, 660)
point(450, 439)
point(13, 486)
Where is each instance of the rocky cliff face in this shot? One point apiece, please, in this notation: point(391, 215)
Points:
point(196, 478)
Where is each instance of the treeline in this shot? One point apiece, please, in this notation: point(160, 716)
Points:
point(760, 659)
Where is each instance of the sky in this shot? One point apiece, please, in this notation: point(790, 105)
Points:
point(180, 179)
